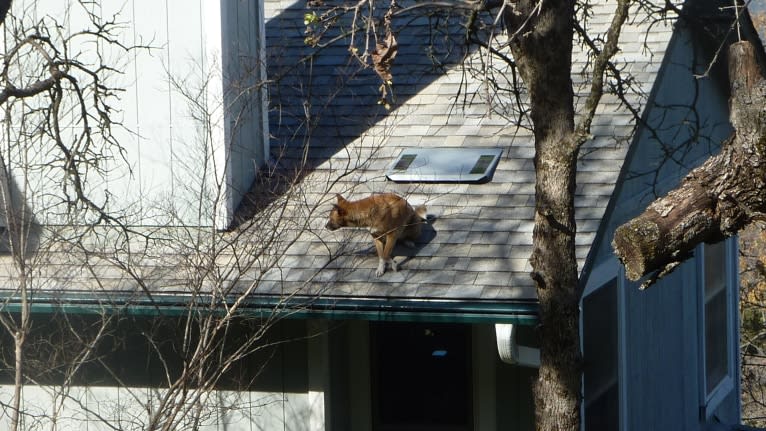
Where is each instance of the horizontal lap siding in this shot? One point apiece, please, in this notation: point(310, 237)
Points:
point(107, 408)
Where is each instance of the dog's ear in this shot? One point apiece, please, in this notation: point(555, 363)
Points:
point(341, 199)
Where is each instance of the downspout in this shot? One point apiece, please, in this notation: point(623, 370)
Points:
point(510, 351)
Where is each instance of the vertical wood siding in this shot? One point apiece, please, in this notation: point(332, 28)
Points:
point(687, 118)
point(174, 166)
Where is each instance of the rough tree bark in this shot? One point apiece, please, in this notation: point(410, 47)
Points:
point(544, 58)
point(715, 200)
point(542, 43)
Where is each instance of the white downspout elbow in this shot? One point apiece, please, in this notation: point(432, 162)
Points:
point(510, 352)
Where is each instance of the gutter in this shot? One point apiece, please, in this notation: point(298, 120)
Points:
point(392, 309)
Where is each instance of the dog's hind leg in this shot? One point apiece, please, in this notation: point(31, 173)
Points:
point(380, 247)
point(387, 250)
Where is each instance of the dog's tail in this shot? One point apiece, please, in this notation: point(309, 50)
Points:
point(420, 211)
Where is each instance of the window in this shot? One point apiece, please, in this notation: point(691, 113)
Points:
point(717, 324)
point(421, 377)
point(716, 333)
point(600, 374)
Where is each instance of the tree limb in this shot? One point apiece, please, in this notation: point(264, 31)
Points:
point(715, 200)
point(600, 66)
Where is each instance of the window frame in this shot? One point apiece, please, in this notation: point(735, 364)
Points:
point(712, 399)
point(602, 275)
point(615, 283)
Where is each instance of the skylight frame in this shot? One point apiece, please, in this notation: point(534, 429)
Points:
point(445, 165)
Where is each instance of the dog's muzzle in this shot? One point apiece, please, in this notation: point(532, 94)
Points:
point(331, 226)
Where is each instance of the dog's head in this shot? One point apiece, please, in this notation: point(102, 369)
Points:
point(421, 212)
point(337, 215)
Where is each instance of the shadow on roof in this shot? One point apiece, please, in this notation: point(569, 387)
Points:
point(321, 99)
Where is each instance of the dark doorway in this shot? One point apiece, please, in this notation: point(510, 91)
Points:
point(421, 377)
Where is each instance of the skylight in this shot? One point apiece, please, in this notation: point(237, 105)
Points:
point(445, 165)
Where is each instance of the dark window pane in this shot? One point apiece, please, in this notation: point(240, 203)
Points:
point(716, 316)
point(716, 346)
point(715, 268)
point(600, 339)
point(601, 413)
point(600, 355)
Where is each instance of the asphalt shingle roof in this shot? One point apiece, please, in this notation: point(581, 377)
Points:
point(479, 239)
point(329, 135)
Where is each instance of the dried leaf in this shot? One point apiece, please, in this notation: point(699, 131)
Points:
point(383, 57)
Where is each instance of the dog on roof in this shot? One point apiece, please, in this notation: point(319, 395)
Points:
point(388, 216)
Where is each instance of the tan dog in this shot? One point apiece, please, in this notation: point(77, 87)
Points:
point(389, 218)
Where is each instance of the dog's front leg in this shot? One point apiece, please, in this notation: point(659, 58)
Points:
point(381, 267)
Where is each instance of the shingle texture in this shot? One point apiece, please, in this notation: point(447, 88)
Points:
point(479, 236)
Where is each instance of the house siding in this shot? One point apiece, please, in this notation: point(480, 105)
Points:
point(246, 121)
point(270, 389)
point(660, 371)
point(125, 408)
point(186, 138)
point(659, 328)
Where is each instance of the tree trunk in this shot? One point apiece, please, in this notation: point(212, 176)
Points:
point(715, 200)
point(542, 35)
point(18, 350)
point(19, 338)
